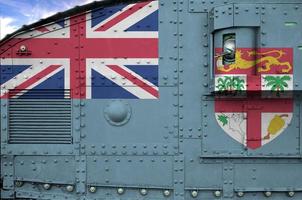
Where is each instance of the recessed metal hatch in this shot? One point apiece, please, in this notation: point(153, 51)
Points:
point(34, 120)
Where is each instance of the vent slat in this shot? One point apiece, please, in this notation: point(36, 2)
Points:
point(30, 102)
point(37, 120)
point(44, 122)
point(38, 129)
point(36, 137)
point(41, 109)
point(41, 118)
point(41, 142)
point(37, 107)
point(28, 133)
point(54, 127)
point(54, 111)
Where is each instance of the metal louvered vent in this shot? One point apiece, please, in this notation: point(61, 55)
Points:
point(41, 117)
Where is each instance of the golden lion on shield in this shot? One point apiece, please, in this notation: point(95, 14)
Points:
point(267, 60)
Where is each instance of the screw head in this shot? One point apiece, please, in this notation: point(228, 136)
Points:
point(167, 193)
point(143, 192)
point(217, 193)
point(18, 183)
point(291, 193)
point(268, 193)
point(194, 193)
point(92, 189)
point(69, 188)
point(23, 48)
point(46, 186)
point(240, 194)
point(120, 190)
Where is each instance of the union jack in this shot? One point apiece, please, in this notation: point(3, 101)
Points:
point(110, 52)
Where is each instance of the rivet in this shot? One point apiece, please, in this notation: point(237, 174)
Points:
point(46, 186)
point(92, 189)
point(69, 188)
point(120, 190)
point(18, 183)
point(291, 193)
point(166, 193)
point(217, 193)
point(143, 192)
point(240, 194)
point(268, 193)
point(194, 193)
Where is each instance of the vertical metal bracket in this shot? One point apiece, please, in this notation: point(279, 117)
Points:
point(7, 169)
point(81, 174)
point(179, 177)
point(300, 122)
point(228, 179)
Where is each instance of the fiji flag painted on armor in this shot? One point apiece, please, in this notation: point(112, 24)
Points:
point(255, 121)
point(117, 58)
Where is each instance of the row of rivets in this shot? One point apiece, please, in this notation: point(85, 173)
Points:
point(46, 186)
point(217, 193)
point(194, 193)
point(267, 194)
point(144, 192)
point(121, 191)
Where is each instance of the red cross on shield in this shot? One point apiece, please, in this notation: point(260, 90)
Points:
point(255, 120)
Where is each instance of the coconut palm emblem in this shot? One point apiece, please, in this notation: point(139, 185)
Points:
point(255, 121)
point(277, 83)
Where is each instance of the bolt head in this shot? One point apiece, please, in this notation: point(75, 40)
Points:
point(69, 188)
point(144, 192)
point(167, 193)
point(92, 189)
point(291, 193)
point(46, 186)
point(194, 193)
point(18, 183)
point(120, 190)
point(23, 48)
point(240, 194)
point(217, 193)
point(268, 193)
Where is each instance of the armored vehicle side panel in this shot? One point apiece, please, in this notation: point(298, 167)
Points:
point(168, 99)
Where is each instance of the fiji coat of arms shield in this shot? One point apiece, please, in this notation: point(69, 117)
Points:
point(255, 120)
